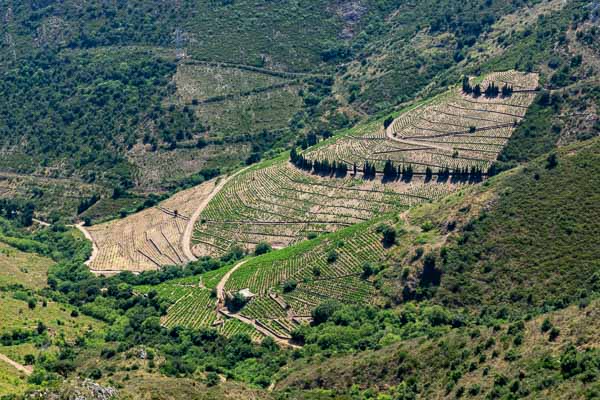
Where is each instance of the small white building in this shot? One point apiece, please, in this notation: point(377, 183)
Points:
point(247, 293)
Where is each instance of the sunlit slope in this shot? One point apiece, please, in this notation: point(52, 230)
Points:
point(149, 239)
point(452, 130)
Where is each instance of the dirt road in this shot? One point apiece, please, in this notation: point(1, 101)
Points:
point(390, 135)
point(186, 239)
point(27, 370)
point(266, 332)
point(221, 309)
point(89, 237)
point(221, 285)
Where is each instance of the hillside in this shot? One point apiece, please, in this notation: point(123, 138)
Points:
point(246, 199)
point(435, 147)
point(537, 339)
point(492, 274)
point(507, 360)
point(148, 105)
point(487, 337)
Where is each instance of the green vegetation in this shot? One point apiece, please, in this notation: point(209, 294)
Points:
point(470, 362)
point(482, 343)
point(535, 248)
point(422, 284)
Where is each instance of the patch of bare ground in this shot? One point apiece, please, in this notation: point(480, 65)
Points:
point(149, 239)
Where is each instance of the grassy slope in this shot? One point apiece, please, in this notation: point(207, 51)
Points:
point(537, 244)
point(26, 269)
point(483, 361)
point(30, 271)
point(11, 380)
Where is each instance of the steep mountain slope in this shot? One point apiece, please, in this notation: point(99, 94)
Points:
point(523, 242)
point(403, 274)
point(116, 79)
point(436, 342)
point(520, 360)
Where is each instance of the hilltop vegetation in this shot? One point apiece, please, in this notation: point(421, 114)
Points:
point(506, 263)
point(124, 116)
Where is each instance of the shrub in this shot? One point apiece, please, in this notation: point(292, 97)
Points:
point(474, 390)
point(430, 275)
point(236, 253)
point(427, 226)
point(212, 379)
point(418, 253)
point(388, 121)
point(546, 325)
point(569, 362)
point(368, 270)
point(436, 315)
point(552, 161)
point(41, 328)
point(236, 302)
point(95, 374)
point(389, 234)
point(107, 353)
point(332, 256)
point(324, 311)
point(518, 340)
point(290, 285)
point(554, 333)
point(262, 248)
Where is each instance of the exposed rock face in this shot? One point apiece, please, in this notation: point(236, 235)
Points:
point(78, 390)
point(351, 13)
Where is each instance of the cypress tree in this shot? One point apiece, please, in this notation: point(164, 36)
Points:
point(428, 174)
point(293, 155)
point(466, 86)
point(389, 171)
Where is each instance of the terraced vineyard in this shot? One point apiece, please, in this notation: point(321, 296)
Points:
point(231, 99)
point(194, 307)
point(219, 81)
point(326, 268)
point(282, 205)
point(149, 239)
point(323, 269)
point(452, 130)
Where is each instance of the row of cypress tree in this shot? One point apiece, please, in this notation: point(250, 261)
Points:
point(391, 172)
point(491, 91)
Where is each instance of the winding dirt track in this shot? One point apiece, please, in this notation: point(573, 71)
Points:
point(27, 370)
point(221, 309)
point(89, 237)
point(221, 285)
point(390, 135)
point(186, 239)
